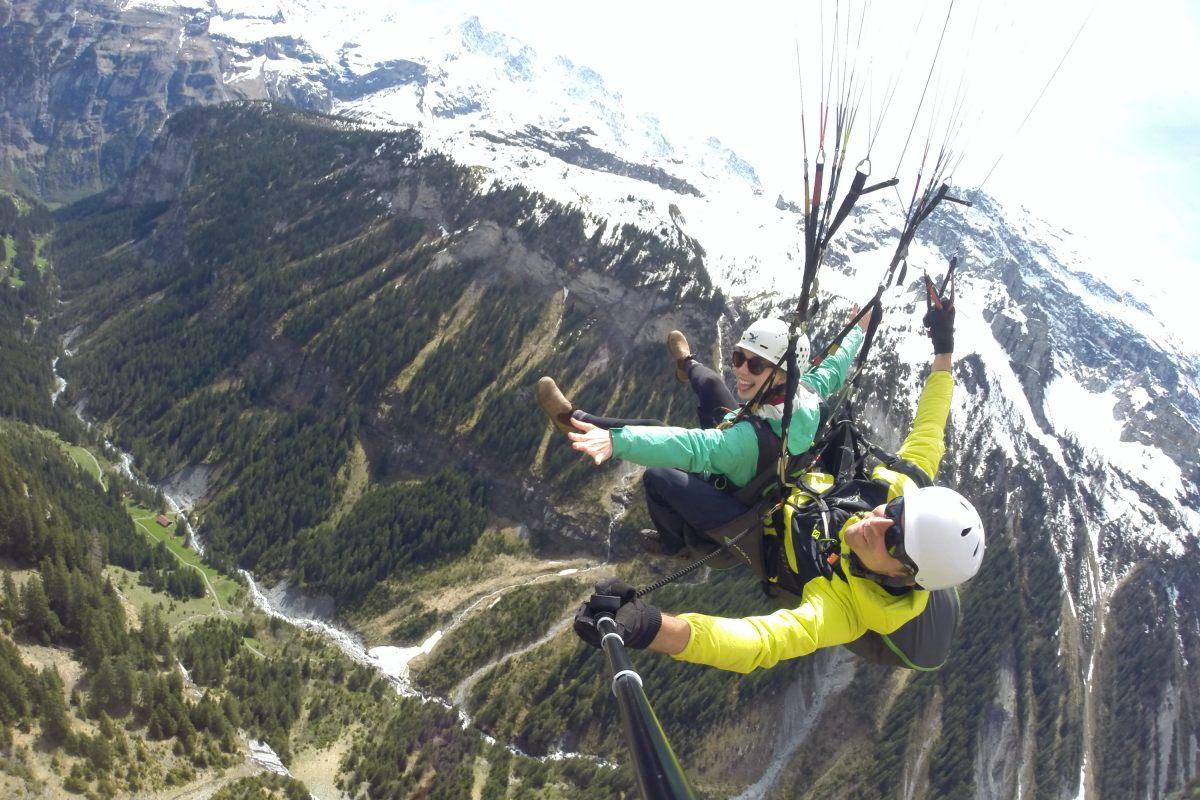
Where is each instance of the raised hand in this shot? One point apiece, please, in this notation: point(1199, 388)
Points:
point(594, 442)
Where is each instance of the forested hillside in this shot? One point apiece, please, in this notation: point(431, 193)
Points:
point(339, 333)
point(123, 671)
point(26, 348)
point(121, 717)
point(368, 299)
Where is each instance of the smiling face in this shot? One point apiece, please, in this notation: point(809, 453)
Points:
point(746, 383)
point(866, 539)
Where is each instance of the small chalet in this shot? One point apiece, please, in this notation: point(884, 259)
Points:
point(164, 520)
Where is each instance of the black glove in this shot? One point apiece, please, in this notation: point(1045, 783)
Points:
point(939, 324)
point(637, 621)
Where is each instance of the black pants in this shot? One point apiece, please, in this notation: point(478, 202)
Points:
point(713, 398)
point(681, 504)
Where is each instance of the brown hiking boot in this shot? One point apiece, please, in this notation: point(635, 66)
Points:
point(556, 406)
point(651, 541)
point(677, 346)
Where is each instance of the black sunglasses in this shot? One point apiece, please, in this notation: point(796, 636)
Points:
point(893, 538)
point(756, 364)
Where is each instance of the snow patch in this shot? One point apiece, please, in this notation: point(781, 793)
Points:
point(1090, 418)
point(166, 5)
point(394, 661)
point(1139, 398)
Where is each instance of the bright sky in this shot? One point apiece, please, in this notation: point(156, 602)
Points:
point(1110, 153)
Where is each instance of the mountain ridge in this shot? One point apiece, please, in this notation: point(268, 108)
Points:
point(224, 333)
point(1061, 515)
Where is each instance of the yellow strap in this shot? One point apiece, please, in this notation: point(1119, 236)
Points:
point(820, 481)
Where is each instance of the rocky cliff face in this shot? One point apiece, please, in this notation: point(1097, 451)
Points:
point(85, 87)
point(1077, 428)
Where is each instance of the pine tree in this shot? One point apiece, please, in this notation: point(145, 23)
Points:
point(23, 258)
point(52, 707)
point(40, 621)
point(14, 700)
point(153, 633)
point(8, 215)
point(10, 601)
point(232, 710)
point(104, 688)
point(160, 726)
point(107, 729)
point(56, 583)
point(124, 684)
point(23, 539)
point(35, 286)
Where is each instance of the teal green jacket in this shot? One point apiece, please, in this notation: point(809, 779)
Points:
point(733, 451)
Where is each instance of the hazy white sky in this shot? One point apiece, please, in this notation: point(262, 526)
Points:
point(1110, 153)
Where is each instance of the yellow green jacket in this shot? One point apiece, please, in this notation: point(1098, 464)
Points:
point(831, 611)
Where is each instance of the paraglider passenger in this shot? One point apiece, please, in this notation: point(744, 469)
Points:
point(694, 472)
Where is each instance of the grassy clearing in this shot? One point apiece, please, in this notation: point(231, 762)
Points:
point(225, 588)
point(87, 461)
point(317, 769)
point(96, 466)
point(10, 255)
point(39, 260)
point(172, 537)
point(356, 476)
point(179, 615)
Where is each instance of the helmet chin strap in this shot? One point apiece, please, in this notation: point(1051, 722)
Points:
point(888, 581)
point(775, 394)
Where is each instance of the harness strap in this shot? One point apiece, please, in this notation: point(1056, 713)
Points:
point(770, 446)
point(898, 464)
point(725, 547)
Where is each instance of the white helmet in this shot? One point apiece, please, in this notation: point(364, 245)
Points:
point(769, 339)
point(943, 536)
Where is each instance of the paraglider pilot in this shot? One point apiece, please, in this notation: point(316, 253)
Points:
point(908, 546)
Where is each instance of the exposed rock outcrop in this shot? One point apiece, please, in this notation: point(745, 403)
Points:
point(85, 86)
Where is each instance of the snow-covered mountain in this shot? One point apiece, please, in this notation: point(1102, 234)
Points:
point(1086, 381)
point(1079, 414)
point(539, 119)
point(481, 97)
point(490, 100)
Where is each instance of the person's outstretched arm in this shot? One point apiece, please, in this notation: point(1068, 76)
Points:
point(926, 441)
point(823, 619)
point(732, 451)
point(831, 374)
